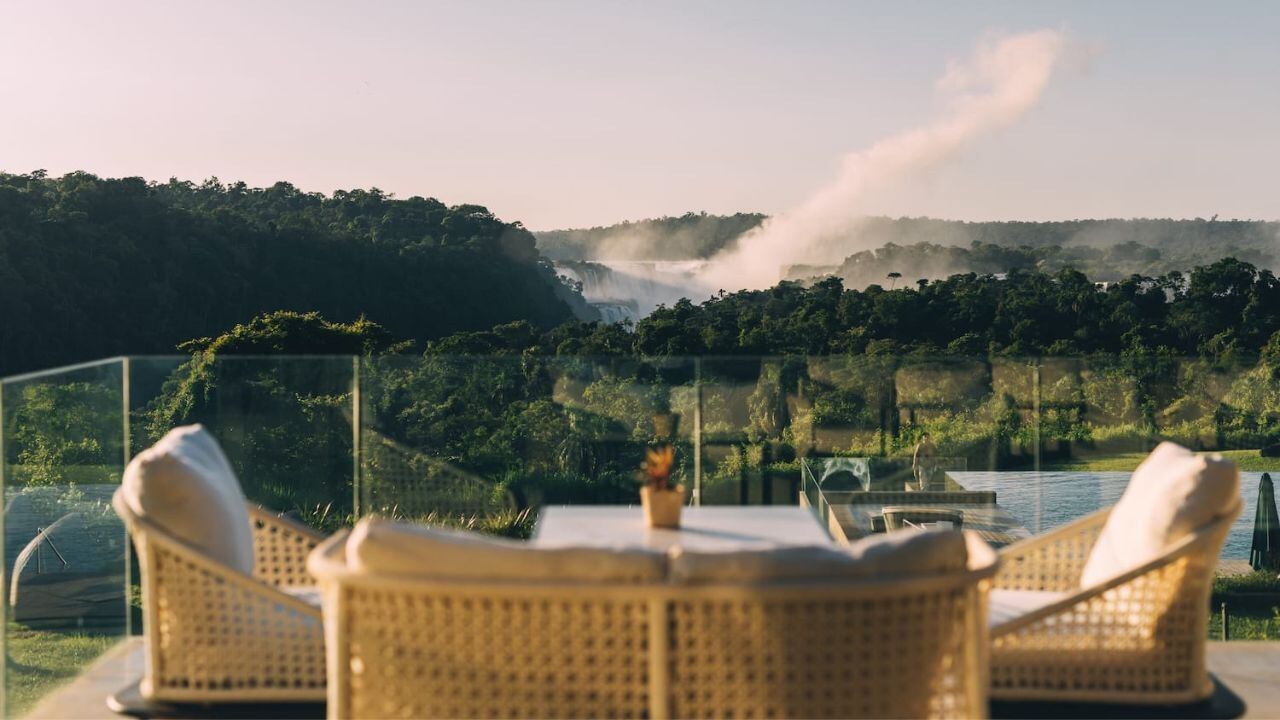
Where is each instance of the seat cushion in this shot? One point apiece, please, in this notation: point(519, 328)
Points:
point(1171, 494)
point(909, 552)
point(1006, 605)
point(395, 548)
point(185, 485)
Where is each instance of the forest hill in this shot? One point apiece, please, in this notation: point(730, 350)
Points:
point(1228, 309)
point(922, 247)
point(924, 260)
point(95, 267)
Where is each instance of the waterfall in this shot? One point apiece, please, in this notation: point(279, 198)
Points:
point(631, 289)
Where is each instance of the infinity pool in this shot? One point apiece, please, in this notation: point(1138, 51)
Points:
point(1044, 500)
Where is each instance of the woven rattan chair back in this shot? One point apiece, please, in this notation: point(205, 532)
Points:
point(215, 634)
point(407, 647)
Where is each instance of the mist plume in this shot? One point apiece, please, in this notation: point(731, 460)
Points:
point(1003, 79)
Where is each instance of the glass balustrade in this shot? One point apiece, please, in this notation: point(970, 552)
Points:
point(1010, 446)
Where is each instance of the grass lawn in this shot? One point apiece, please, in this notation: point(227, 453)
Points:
point(1253, 606)
point(41, 660)
point(1250, 626)
point(1122, 462)
point(1248, 460)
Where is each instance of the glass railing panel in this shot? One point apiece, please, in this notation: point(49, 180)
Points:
point(479, 436)
point(285, 423)
point(614, 408)
point(1020, 444)
point(1084, 420)
point(1053, 438)
point(755, 426)
point(919, 438)
point(1098, 417)
point(433, 434)
point(1234, 408)
point(65, 550)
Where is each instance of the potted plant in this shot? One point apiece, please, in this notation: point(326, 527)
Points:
point(660, 499)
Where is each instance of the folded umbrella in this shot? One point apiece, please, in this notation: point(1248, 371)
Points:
point(1265, 552)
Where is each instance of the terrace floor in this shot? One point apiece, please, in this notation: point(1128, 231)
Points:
point(1247, 674)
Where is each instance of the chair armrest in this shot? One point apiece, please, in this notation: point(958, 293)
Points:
point(280, 549)
point(1146, 591)
point(1178, 581)
point(1052, 561)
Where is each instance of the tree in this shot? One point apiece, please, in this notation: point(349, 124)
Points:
point(93, 267)
point(285, 423)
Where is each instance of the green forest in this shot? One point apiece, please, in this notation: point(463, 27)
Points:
point(1101, 263)
point(92, 267)
point(1224, 310)
point(473, 368)
point(1150, 245)
point(690, 236)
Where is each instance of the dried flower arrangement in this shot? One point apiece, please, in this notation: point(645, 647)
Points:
point(661, 500)
point(657, 466)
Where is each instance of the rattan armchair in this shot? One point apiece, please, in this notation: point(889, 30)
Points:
point(912, 646)
point(215, 634)
point(1136, 638)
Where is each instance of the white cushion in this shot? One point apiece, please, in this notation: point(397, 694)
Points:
point(382, 546)
point(185, 485)
point(1172, 493)
point(907, 552)
point(1006, 605)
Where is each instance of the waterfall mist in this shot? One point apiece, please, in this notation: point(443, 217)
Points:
point(1003, 79)
point(631, 289)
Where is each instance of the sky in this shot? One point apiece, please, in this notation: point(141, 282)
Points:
point(573, 114)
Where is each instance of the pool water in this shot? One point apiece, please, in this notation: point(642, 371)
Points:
point(1045, 500)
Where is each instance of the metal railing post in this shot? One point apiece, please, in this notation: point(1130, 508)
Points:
point(697, 431)
point(1035, 411)
point(357, 423)
point(126, 442)
point(4, 613)
point(1036, 401)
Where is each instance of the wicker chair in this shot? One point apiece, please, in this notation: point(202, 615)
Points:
point(1137, 638)
point(215, 634)
point(413, 647)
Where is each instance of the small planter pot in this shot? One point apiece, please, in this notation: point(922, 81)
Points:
point(662, 507)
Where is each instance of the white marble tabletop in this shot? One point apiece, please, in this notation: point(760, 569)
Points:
point(721, 528)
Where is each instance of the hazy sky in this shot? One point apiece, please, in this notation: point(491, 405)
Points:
point(580, 113)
